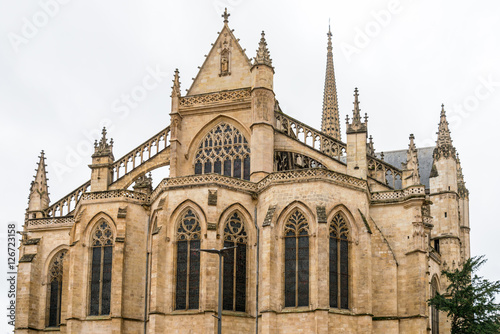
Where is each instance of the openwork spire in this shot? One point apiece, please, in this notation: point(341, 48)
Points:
point(444, 147)
point(412, 163)
point(463, 192)
point(263, 57)
point(176, 88)
point(356, 125)
point(39, 190)
point(103, 148)
point(330, 123)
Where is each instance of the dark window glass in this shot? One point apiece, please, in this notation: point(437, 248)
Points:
point(208, 167)
point(227, 167)
point(237, 168)
point(344, 276)
point(334, 288)
point(194, 274)
point(106, 280)
point(241, 274)
point(290, 271)
point(303, 271)
point(95, 284)
point(197, 168)
point(246, 168)
point(339, 263)
point(181, 283)
point(228, 282)
point(217, 166)
point(55, 289)
point(54, 304)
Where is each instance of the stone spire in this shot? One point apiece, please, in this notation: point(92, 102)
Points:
point(103, 148)
point(444, 147)
point(39, 190)
point(356, 125)
point(330, 123)
point(463, 192)
point(412, 175)
point(176, 88)
point(263, 56)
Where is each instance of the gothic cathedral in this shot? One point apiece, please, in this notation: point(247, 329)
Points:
point(323, 236)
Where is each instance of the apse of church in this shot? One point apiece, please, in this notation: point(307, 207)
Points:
point(330, 236)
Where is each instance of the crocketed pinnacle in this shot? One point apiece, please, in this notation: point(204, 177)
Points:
point(370, 149)
point(330, 123)
point(463, 192)
point(412, 162)
point(176, 88)
point(356, 125)
point(103, 148)
point(444, 147)
point(39, 190)
point(263, 56)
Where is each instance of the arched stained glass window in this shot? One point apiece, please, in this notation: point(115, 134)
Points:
point(55, 280)
point(434, 311)
point(187, 287)
point(296, 260)
point(225, 151)
point(339, 262)
point(235, 263)
point(100, 278)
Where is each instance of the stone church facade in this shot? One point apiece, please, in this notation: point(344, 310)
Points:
point(330, 236)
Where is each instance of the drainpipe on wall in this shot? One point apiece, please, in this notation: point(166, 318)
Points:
point(257, 273)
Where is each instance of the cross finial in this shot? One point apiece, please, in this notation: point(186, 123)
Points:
point(226, 15)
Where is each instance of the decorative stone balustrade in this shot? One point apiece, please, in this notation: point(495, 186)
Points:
point(141, 153)
point(210, 98)
point(115, 194)
point(384, 172)
point(42, 223)
point(309, 136)
point(398, 195)
point(67, 203)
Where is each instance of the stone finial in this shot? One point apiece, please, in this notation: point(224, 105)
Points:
point(176, 88)
point(263, 55)
point(330, 122)
point(102, 148)
point(463, 192)
point(444, 147)
point(412, 165)
point(225, 15)
point(356, 125)
point(38, 199)
point(370, 149)
point(144, 184)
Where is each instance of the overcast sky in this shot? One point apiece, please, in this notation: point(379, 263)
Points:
point(65, 67)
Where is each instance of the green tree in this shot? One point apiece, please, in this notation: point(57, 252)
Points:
point(470, 300)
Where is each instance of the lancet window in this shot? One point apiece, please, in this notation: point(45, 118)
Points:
point(296, 260)
point(225, 151)
point(235, 262)
point(100, 278)
point(187, 288)
point(55, 280)
point(434, 311)
point(339, 262)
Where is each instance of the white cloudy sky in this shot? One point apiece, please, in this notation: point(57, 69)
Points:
point(60, 80)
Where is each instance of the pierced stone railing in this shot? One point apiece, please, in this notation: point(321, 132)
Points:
point(397, 195)
point(316, 139)
point(384, 172)
point(115, 194)
point(225, 96)
point(141, 153)
point(41, 223)
point(67, 203)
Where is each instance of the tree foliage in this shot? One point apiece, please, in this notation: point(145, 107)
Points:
point(470, 300)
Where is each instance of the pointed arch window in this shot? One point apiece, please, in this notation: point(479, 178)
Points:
point(225, 151)
point(339, 262)
point(296, 260)
point(235, 261)
point(55, 289)
point(100, 278)
point(434, 311)
point(187, 287)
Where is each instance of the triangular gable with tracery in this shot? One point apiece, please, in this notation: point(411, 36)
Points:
point(226, 66)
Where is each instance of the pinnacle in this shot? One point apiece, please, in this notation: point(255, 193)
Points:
point(176, 88)
point(330, 123)
point(356, 125)
point(103, 148)
point(263, 56)
point(226, 15)
point(444, 146)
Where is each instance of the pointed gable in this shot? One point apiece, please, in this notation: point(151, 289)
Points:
point(226, 67)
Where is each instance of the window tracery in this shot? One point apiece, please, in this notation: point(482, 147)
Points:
point(225, 151)
point(290, 161)
point(296, 260)
point(55, 289)
point(102, 260)
point(434, 311)
point(339, 262)
point(188, 261)
point(234, 283)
